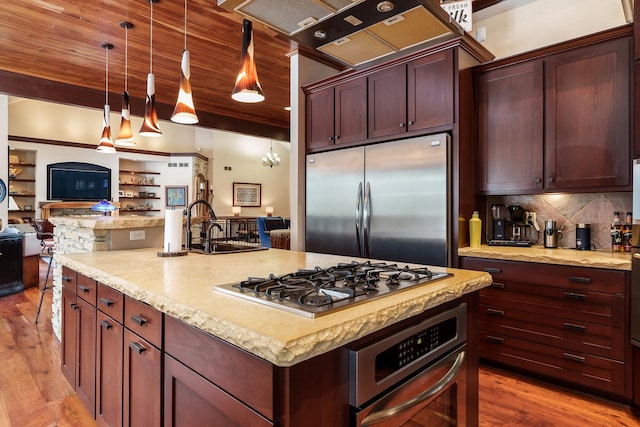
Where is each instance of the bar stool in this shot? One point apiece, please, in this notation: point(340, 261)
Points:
point(44, 232)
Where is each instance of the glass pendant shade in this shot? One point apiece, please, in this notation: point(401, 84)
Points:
point(125, 134)
point(150, 126)
point(185, 111)
point(247, 88)
point(106, 145)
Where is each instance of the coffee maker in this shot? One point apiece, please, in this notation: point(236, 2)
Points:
point(510, 226)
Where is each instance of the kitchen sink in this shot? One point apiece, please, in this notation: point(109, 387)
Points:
point(218, 248)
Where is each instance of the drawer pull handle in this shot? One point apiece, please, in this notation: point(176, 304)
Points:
point(74, 306)
point(137, 347)
point(83, 289)
point(492, 270)
point(105, 324)
point(580, 279)
point(575, 327)
point(495, 339)
point(138, 319)
point(497, 285)
point(495, 312)
point(572, 295)
point(106, 301)
point(573, 357)
point(66, 278)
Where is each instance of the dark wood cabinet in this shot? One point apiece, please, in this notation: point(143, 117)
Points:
point(510, 128)
point(587, 126)
point(562, 322)
point(78, 355)
point(337, 114)
point(557, 122)
point(142, 382)
point(388, 101)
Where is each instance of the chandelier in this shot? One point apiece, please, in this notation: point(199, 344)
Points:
point(271, 159)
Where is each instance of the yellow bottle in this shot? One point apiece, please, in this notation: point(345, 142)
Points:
point(475, 230)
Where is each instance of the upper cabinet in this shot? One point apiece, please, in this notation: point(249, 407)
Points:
point(337, 114)
point(414, 96)
point(409, 97)
point(558, 122)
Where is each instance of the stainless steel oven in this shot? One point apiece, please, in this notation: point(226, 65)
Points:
point(416, 377)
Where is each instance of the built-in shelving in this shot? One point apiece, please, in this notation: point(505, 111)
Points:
point(22, 184)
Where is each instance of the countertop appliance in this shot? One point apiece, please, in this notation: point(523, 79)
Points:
point(510, 227)
point(384, 201)
point(417, 374)
point(312, 293)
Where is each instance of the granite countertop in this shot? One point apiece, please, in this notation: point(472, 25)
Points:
point(540, 254)
point(182, 287)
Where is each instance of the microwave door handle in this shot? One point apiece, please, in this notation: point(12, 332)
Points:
point(379, 416)
point(367, 220)
point(359, 217)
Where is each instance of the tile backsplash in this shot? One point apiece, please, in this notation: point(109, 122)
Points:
point(568, 210)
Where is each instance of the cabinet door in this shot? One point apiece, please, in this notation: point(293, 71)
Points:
point(320, 119)
point(86, 353)
point(11, 263)
point(142, 386)
point(68, 355)
point(109, 335)
point(510, 128)
point(430, 91)
point(351, 111)
point(191, 400)
point(388, 101)
point(587, 117)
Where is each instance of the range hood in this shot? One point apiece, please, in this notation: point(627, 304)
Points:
point(354, 32)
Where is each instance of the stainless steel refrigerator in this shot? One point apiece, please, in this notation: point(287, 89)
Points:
point(386, 201)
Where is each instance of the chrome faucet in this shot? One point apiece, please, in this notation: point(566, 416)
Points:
point(212, 218)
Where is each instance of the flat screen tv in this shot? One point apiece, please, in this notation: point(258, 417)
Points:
point(78, 181)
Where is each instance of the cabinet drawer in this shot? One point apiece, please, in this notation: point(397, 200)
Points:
point(243, 375)
point(144, 320)
point(86, 288)
point(593, 307)
point(579, 368)
point(579, 336)
point(111, 302)
point(562, 276)
point(69, 279)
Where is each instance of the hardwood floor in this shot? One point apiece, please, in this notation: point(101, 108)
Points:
point(33, 391)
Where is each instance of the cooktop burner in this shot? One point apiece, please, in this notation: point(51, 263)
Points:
point(322, 290)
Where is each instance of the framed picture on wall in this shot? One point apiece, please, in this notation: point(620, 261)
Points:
point(247, 194)
point(176, 196)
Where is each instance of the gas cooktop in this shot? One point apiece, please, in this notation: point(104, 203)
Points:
point(319, 291)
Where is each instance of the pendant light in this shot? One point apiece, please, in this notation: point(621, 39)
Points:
point(150, 123)
point(106, 145)
point(247, 87)
point(125, 134)
point(185, 111)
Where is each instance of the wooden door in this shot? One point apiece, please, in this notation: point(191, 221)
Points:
point(109, 363)
point(320, 119)
point(142, 385)
point(430, 92)
point(587, 117)
point(351, 111)
point(86, 353)
point(510, 128)
point(388, 101)
point(68, 355)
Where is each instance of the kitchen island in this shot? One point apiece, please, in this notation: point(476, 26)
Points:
point(285, 347)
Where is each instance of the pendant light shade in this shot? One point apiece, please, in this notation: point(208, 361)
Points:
point(125, 134)
point(150, 126)
point(247, 87)
point(185, 111)
point(106, 144)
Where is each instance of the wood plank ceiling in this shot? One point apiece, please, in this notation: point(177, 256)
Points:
point(59, 41)
point(51, 51)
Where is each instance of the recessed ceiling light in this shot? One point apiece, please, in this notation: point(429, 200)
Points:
point(320, 34)
point(385, 6)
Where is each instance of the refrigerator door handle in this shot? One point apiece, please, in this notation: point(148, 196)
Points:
point(359, 217)
point(366, 220)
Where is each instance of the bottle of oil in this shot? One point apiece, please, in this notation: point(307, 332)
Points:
point(626, 232)
point(475, 230)
point(616, 233)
